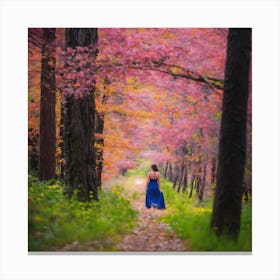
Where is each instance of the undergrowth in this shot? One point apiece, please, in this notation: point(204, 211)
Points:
point(191, 222)
point(191, 219)
point(54, 220)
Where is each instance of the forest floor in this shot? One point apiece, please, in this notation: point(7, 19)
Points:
point(149, 234)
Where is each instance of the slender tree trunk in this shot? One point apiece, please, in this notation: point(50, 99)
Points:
point(176, 178)
point(165, 170)
point(199, 176)
point(202, 187)
point(47, 160)
point(99, 148)
point(99, 129)
point(79, 123)
point(192, 185)
point(213, 170)
point(61, 144)
point(198, 183)
point(181, 177)
point(170, 173)
point(232, 146)
point(33, 154)
point(185, 182)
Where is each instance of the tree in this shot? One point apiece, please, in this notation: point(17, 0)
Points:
point(163, 73)
point(232, 145)
point(47, 160)
point(99, 146)
point(79, 112)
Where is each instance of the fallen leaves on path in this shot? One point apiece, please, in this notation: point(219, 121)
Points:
point(149, 234)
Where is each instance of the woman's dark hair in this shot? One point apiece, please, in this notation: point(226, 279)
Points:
point(154, 167)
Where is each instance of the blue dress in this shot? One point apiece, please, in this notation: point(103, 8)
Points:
point(154, 197)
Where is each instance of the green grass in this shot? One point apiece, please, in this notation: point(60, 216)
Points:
point(54, 221)
point(191, 219)
point(191, 222)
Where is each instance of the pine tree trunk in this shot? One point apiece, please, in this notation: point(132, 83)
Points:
point(47, 160)
point(232, 146)
point(79, 123)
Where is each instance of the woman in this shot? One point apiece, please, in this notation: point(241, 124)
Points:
point(154, 196)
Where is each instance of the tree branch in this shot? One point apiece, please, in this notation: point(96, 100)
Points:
point(213, 83)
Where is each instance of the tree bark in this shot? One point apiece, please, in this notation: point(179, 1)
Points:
point(232, 145)
point(47, 160)
point(79, 123)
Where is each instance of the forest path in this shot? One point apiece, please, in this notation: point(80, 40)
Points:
point(149, 234)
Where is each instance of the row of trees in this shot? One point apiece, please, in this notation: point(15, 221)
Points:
point(120, 74)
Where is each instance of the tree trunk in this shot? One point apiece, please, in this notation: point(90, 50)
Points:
point(185, 182)
point(202, 187)
point(165, 170)
point(232, 145)
point(198, 183)
point(61, 144)
point(99, 127)
point(192, 184)
point(213, 171)
point(181, 178)
point(47, 160)
point(79, 123)
point(198, 177)
point(170, 173)
point(176, 178)
point(33, 153)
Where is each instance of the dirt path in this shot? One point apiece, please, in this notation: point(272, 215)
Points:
point(149, 234)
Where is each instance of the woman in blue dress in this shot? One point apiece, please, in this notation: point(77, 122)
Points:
point(154, 196)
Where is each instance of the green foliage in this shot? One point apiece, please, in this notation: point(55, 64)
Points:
point(191, 222)
point(55, 221)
